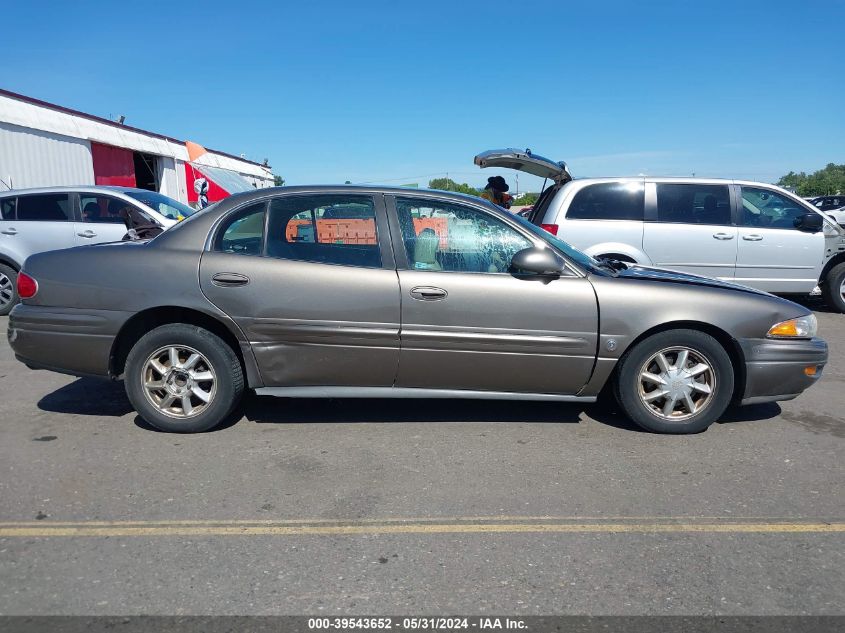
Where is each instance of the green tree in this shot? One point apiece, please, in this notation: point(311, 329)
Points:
point(827, 181)
point(526, 199)
point(447, 184)
point(278, 181)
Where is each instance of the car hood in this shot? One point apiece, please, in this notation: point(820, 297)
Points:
point(524, 160)
point(648, 273)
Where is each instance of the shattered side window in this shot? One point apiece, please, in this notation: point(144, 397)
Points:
point(440, 236)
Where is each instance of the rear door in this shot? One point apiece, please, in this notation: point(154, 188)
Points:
point(773, 254)
point(318, 299)
point(39, 222)
point(690, 228)
point(467, 323)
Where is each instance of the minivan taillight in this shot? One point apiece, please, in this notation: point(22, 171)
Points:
point(551, 228)
point(27, 286)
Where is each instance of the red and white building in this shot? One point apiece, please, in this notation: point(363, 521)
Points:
point(43, 145)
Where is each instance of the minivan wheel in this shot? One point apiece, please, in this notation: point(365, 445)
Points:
point(183, 379)
point(8, 289)
point(678, 381)
point(833, 288)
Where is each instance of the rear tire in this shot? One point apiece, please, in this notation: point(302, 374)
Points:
point(8, 289)
point(183, 379)
point(834, 287)
point(678, 381)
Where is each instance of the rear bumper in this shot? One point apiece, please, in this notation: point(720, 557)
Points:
point(63, 340)
point(775, 369)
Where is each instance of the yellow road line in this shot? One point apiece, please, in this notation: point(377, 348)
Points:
point(407, 520)
point(82, 529)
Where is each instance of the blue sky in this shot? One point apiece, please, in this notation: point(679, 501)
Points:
point(398, 92)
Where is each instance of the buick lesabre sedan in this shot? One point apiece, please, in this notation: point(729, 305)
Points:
point(380, 292)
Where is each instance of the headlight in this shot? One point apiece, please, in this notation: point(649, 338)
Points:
point(802, 327)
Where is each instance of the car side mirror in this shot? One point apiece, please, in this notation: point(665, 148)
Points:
point(537, 262)
point(809, 222)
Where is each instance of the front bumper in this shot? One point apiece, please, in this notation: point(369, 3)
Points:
point(61, 339)
point(775, 369)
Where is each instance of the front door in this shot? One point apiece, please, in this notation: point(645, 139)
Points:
point(690, 228)
point(310, 281)
point(467, 323)
point(773, 254)
point(101, 219)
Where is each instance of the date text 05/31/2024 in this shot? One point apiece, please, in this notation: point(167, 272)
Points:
point(417, 624)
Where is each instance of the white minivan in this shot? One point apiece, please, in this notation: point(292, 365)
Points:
point(751, 233)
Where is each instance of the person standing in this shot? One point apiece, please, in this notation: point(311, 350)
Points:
point(496, 191)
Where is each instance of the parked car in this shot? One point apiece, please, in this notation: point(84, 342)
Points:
point(452, 297)
point(747, 232)
point(36, 220)
point(834, 206)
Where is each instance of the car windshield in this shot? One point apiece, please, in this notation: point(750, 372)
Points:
point(582, 259)
point(168, 207)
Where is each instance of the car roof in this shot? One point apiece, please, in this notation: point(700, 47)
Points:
point(677, 179)
point(71, 189)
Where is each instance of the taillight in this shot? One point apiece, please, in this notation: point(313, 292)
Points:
point(27, 286)
point(551, 228)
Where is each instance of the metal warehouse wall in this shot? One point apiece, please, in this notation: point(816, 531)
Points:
point(34, 158)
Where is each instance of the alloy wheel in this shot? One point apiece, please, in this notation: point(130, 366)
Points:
point(7, 290)
point(677, 383)
point(179, 381)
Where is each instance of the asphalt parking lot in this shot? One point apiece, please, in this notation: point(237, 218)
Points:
point(418, 507)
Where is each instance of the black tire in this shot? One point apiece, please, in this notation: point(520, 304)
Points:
point(217, 358)
point(8, 288)
point(702, 349)
point(832, 288)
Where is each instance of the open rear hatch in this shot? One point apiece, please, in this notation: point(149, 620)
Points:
point(525, 160)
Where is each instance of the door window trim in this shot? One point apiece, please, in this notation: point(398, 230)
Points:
point(381, 220)
point(399, 244)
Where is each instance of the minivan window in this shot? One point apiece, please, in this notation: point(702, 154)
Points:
point(48, 207)
point(768, 209)
point(324, 228)
point(693, 203)
point(608, 201)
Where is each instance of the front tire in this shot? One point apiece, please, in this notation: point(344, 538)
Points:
point(678, 381)
point(833, 288)
point(8, 289)
point(183, 379)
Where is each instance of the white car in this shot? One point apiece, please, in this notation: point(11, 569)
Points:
point(751, 233)
point(51, 218)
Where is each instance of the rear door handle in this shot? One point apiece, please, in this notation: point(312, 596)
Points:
point(752, 238)
point(723, 236)
point(9, 231)
point(87, 233)
point(229, 280)
point(428, 293)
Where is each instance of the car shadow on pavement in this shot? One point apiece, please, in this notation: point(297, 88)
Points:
point(88, 396)
point(270, 410)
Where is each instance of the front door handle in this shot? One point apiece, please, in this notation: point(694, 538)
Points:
point(428, 293)
point(229, 280)
point(10, 231)
point(87, 233)
point(752, 238)
point(723, 236)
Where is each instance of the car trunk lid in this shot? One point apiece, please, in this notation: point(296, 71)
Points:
point(527, 161)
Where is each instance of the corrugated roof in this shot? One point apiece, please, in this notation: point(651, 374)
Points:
point(41, 115)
